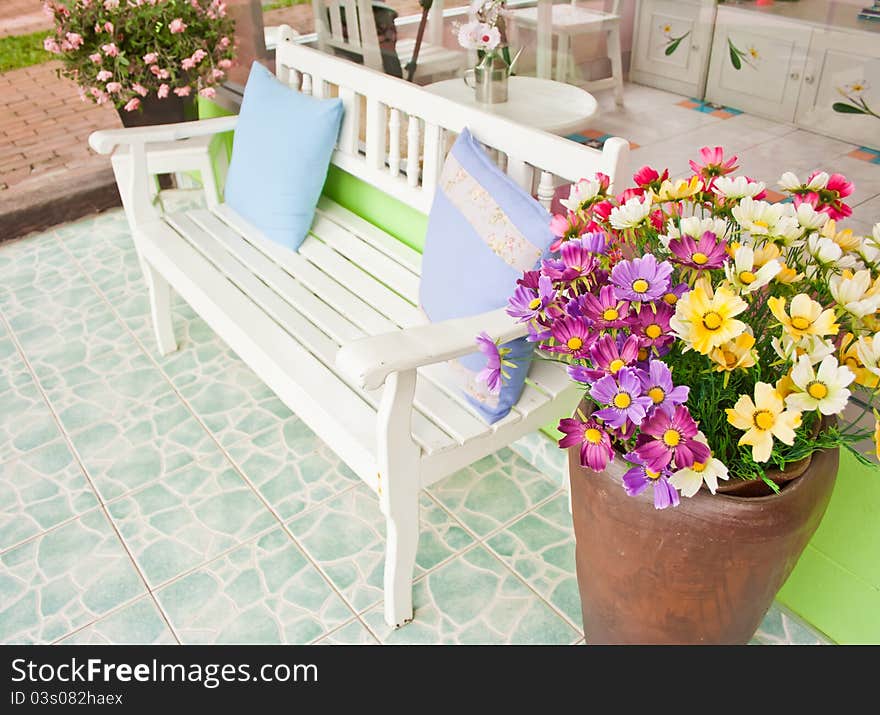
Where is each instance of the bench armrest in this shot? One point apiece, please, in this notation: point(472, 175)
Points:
point(105, 141)
point(368, 361)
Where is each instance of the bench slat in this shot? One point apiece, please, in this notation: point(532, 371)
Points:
point(398, 278)
point(373, 235)
point(333, 293)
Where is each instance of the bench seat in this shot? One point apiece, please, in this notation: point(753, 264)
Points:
point(295, 310)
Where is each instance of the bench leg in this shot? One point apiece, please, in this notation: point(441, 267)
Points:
point(160, 308)
point(614, 53)
point(402, 542)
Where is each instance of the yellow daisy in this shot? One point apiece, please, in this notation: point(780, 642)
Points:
point(734, 354)
point(763, 419)
point(805, 318)
point(705, 321)
point(681, 189)
point(844, 238)
point(849, 356)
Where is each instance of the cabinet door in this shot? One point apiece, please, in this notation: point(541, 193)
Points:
point(843, 69)
point(757, 63)
point(671, 44)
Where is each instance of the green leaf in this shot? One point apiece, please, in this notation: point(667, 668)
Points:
point(845, 108)
point(673, 46)
point(734, 56)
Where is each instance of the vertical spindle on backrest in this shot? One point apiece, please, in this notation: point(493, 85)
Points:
point(394, 141)
point(433, 157)
point(335, 20)
point(348, 134)
point(306, 83)
point(520, 172)
point(412, 151)
point(376, 123)
point(319, 87)
point(546, 189)
point(353, 22)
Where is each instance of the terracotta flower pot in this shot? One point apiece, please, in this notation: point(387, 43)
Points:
point(703, 572)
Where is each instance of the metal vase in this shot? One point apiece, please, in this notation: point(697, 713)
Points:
point(489, 80)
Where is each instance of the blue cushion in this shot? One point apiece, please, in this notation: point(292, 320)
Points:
point(483, 232)
point(280, 155)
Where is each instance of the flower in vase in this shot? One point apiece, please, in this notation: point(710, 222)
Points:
point(714, 164)
point(855, 293)
point(605, 310)
point(495, 363)
point(738, 187)
point(595, 442)
point(744, 275)
point(572, 336)
point(641, 476)
point(706, 322)
point(641, 279)
point(689, 479)
point(526, 305)
point(734, 354)
point(805, 317)
point(670, 439)
point(762, 419)
point(632, 213)
point(823, 389)
point(849, 355)
point(704, 254)
point(657, 384)
point(652, 327)
point(583, 193)
point(680, 189)
point(478, 36)
point(648, 178)
point(622, 395)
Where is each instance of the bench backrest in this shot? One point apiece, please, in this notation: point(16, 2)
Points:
point(395, 135)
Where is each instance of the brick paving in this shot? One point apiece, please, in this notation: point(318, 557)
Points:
point(21, 17)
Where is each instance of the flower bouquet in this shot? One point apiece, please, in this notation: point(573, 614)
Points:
point(484, 31)
point(127, 52)
point(717, 336)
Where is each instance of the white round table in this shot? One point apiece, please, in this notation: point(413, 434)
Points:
point(555, 107)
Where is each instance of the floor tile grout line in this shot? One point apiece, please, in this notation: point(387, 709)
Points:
point(80, 463)
point(112, 612)
point(484, 543)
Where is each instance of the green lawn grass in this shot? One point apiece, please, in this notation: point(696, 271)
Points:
point(276, 4)
point(23, 51)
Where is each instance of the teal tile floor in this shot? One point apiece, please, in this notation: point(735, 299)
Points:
point(177, 500)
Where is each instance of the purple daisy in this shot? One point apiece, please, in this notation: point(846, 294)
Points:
point(529, 279)
point(572, 336)
point(605, 310)
point(622, 393)
point(609, 355)
point(594, 441)
point(666, 438)
point(641, 279)
point(708, 252)
point(525, 305)
point(577, 261)
point(594, 242)
point(657, 384)
point(673, 293)
point(640, 476)
point(491, 374)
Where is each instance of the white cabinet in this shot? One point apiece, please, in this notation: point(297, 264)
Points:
point(671, 44)
point(844, 69)
point(757, 65)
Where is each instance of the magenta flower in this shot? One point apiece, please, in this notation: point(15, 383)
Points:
point(657, 384)
point(651, 326)
point(714, 164)
point(605, 310)
point(641, 279)
point(526, 305)
point(491, 374)
point(610, 355)
point(665, 439)
point(622, 395)
point(575, 262)
point(594, 441)
point(708, 252)
point(640, 476)
point(572, 337)
point(648, 178)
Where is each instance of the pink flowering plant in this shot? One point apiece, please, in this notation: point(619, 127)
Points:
point(122, 51)
point(716, 335)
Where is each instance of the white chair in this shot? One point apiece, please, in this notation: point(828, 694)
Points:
point(569, 21)
point(362, 40)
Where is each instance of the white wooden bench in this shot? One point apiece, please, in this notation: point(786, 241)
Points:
point(335, 329)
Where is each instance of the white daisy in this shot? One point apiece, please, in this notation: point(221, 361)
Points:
point(738, 187)
point(814, 347)
point(852, 293)
point(827, 253)
point(581, 192)
point(689, 480)
point(742, 272)
point(819, 181)
point(868, 350)
point(823, 389)
point(789, 181)
point(809, 218)
point(633, 213)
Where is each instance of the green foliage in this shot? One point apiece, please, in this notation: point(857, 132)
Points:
point(22, 51)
